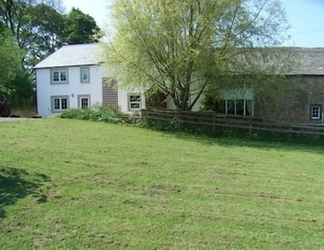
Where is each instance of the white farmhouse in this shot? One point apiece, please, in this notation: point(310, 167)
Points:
point(74, 77)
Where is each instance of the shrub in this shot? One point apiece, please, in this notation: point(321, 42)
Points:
point(71, 114)
point(99, 114)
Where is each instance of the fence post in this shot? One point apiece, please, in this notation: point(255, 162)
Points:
point(250, 128)
point(178, 119)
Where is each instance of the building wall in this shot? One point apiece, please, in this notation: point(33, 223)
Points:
point(72, 89)
point(123, 100)
point(302, 92)
point(292, 104)
point(122, 93)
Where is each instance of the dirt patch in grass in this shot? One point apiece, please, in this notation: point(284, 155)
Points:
point(24, 113)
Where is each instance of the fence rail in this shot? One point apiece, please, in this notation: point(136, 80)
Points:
point(215, 120)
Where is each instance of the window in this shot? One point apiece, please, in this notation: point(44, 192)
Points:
point(84, 101)
point(59, 76)
point(59, 103)
point(134, 102)
point(237, 107)
point(85, 74)
point(237, 102)
point(316, 112)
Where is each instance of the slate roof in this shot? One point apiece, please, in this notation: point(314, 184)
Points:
point(72, 55)
point(311, 61)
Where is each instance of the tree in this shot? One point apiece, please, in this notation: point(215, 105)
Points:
point(30, 31)
point(46, 26)
point(18, 16)
point(40, 27)
point(10, 63)
point(12, 15)
point(79, 27)
point(184, 47)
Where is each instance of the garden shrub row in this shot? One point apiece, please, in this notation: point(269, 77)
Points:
point(98, 114)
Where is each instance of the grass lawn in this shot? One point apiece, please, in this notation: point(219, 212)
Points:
point(68, 184)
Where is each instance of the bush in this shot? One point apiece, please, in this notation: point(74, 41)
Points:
point(71, 114)
point(98, 114)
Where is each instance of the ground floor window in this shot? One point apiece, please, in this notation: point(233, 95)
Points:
point(84, 101)
point(237, 107)
point(134, 102)
point(59, 103)
point(238, 102)
point(232, 102)
point(316, 112)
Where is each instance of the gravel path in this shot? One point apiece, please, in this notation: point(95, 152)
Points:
point(12, 119)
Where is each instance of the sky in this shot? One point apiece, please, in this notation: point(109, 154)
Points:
point(306, 18)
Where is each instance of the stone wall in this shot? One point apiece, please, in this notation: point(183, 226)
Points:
point(294, 104)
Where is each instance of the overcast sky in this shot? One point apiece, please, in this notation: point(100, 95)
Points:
point(306, 18)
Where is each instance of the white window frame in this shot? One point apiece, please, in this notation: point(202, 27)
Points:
point(245, 111)
point(134, 102)
point(82, 70)
point(60, 98)
point(239, 94)
point(80, 97)
point(60, 80)
point(318, 113)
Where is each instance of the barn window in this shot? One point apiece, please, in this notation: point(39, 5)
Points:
point(316, 112)
point(237, 102)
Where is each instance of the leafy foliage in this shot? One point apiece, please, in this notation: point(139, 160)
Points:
point(79, 27)
point(31, 30)
point(99, 114)
point(10, 62)
point(183, 47)
point(47, 33)
point(40, 27)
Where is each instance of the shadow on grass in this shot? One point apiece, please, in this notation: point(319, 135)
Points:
point(234, 138)
point(255, 142)
point(16, 184)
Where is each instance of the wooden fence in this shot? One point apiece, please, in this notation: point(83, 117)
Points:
point(214, 120)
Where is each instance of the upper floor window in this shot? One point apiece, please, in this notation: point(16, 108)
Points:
point(59, 76)
point(85, 74)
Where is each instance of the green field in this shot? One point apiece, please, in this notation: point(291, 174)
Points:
point(68, 184)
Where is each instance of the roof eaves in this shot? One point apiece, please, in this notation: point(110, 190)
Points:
point(67, 65)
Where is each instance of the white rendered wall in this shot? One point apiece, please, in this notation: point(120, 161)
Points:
point(123, 94)
point(74, 88)
point(123, 101)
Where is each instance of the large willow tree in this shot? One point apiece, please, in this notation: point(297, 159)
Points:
point(182, 47)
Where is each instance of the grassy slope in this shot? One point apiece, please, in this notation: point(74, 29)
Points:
point(68, 184)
